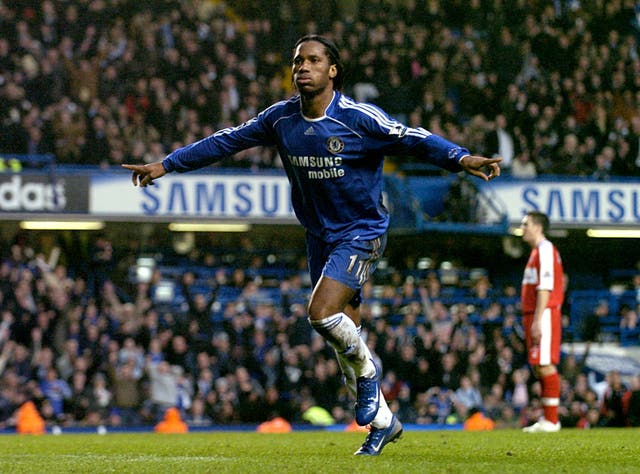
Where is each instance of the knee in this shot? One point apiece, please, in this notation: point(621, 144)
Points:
point(329, 297)
point(545, 370)
point(316, 310)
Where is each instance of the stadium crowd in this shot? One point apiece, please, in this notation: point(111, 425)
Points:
point(552, 87)
point(91, 349)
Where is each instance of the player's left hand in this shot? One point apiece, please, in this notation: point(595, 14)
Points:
point(484, 168)
point(536, 331)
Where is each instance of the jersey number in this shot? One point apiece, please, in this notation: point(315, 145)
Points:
point(353, 259)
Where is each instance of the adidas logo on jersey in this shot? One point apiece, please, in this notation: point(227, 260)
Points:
point(310, 131)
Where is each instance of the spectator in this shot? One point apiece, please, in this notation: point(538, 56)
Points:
point(591, 324)
point(102, 261)
point(55, 391)
point(450, 376)
point(523, 167)
point(78, 403)
point(614, 401)
point(634, 401)
point(423, 377)
point(197, 415)
point(163, 388)
point(628, 319)
point(199, 307)
point(126, 391)
point(100, 400)
point(520, 393)
point(501, 142)
point(468, 395)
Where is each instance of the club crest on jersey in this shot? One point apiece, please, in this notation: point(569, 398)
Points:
point(335, 145)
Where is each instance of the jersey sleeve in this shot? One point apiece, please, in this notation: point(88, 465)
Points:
point(223, 143)
point(395, 138)
point(545, 253)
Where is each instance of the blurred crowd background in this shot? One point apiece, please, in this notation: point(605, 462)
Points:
point(96, 345)
point(553, 87)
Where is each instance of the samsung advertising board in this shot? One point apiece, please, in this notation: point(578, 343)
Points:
point(246, 197)
point(574, 203)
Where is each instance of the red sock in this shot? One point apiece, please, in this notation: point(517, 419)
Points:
point(550, 396)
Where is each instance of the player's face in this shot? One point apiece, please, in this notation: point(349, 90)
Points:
point(312, 73)
point(529, 229)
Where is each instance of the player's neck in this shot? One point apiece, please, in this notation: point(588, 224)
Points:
point(538, 239)
point(315, 105)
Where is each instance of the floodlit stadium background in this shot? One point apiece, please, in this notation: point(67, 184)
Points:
point(86, 86)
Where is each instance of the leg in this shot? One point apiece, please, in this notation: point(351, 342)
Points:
point(550, 384)
point(338, 272)
point(384, 416)
point(347, 370)
point(326, 314)
point(356, 362)
point(327, 317)
point(544, 358)
point(549, 358)
point(328, 298)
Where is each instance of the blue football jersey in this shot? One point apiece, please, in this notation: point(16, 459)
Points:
point(334, 163)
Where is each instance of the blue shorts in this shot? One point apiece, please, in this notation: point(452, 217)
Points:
point(351, 262)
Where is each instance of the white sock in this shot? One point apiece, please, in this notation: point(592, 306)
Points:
point(384, 415)
point(347, 370)
point(349, 374)
point(340, 331)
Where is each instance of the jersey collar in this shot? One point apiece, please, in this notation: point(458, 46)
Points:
point(323, 116)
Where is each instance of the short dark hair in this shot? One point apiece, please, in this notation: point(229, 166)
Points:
point(333, 53)
point(540, 218)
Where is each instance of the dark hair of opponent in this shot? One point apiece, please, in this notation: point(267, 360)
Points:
point(541, 219)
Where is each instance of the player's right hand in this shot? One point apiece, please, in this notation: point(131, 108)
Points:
point(143, 175)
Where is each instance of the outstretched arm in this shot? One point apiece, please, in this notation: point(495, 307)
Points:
point(143, 175)
point(484, 168)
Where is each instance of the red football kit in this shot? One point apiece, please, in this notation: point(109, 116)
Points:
point(543, 272)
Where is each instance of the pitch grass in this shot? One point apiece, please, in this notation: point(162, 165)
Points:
point(503, 451)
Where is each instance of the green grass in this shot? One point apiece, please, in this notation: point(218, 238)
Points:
point(502, 451)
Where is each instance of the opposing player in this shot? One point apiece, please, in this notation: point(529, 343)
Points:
point(542, 297)
point(332, 149)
